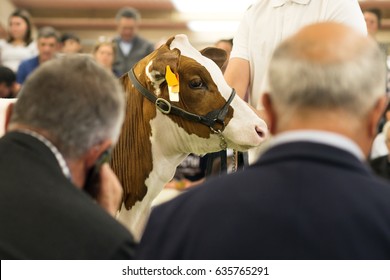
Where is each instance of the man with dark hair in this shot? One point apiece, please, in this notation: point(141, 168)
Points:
point(58, 197)
point(70, 43)
point(8, 86)
point(48, 44)
point(130, 47)
point(373, 18)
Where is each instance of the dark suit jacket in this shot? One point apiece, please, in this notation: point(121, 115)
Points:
point(381, 166)
point(44, 216)
point(140, 49)
point(299, 201)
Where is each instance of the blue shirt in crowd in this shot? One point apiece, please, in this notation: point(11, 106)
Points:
point(26, 68)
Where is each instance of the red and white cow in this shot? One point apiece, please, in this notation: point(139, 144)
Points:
point(177, 103)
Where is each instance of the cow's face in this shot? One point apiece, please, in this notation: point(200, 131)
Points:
point(202, 89)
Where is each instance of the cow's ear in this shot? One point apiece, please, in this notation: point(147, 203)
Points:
point(217, 55)
point(164, 57)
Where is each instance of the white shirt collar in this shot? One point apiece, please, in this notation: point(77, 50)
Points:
point(279, 3)
point(321, 137)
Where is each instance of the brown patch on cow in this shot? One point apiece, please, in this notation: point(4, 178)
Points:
point(196, 101)
point(132, 155)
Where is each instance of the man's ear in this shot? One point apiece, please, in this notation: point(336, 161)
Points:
point(96, 151)
point(269, 112)
point(8, 114)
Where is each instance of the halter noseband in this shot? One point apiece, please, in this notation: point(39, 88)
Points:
point(210, 119)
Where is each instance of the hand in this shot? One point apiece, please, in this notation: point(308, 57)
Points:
point(110, 191)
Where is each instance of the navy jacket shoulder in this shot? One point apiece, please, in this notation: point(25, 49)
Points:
point(44, 216)
point(299, 201)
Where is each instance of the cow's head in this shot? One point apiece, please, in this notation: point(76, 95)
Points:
point(202, 92)
point(174, 96)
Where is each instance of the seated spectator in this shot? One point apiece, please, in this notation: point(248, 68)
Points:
point(70, 43)
point(379, 147)
point(226, 45)
point(48, 43)
point(19, 46)
point(104, 53)
point(69, 114)
point(381, 164)
point(311, 194)
point(8, 86)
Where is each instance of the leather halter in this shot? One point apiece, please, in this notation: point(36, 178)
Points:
point(213, 117)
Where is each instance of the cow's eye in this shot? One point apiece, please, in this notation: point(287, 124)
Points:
point(196, 84)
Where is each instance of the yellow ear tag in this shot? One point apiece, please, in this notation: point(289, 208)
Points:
point(173, 84)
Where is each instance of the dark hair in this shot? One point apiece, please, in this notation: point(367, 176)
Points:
point(377, 13)
point(26, 17)
point(7, 76)
point(69, 36)
point(128, 12)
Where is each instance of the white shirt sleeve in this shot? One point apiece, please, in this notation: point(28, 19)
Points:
point(241, 38)
point(347, 12)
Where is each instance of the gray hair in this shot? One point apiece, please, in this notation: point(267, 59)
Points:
point(351, 84)
point(128, 12)
point(76, 101)
point(48, 32)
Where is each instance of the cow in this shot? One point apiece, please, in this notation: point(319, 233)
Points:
point(177, 103)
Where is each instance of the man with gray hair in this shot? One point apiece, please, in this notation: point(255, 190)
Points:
point(48, 44)
point(130, 47)
point(311, 195)
point(58, 197)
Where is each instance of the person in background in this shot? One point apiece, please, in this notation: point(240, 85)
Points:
point(19, 45)
point(58, 197)
point(130, 47)
point(381, 164)
point(373, 18)
point(379, 147)
point(227, 46)
point(48, 45)
point(8, 86)
point(265, 24)
point(311, 195)
point(70, 43)
point(104, 53)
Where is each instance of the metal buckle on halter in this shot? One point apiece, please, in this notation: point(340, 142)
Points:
point(161, 102)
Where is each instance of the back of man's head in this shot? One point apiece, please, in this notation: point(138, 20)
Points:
point(326, 67)
point(73, 100)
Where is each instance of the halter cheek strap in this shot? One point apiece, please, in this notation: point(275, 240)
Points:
point(210, 119)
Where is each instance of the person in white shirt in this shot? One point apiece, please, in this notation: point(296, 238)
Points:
point(265, 24)
point(20, 45)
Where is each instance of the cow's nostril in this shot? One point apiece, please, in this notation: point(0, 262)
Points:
point(260, 132)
